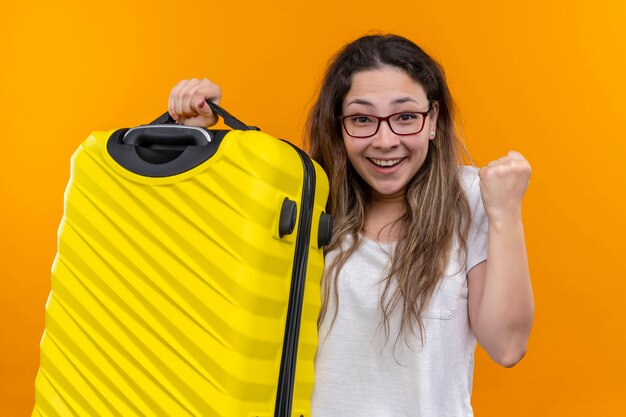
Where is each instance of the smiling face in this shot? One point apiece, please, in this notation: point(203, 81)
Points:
point(387, 161)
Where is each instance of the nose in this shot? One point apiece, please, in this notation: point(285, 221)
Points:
point(385, 138)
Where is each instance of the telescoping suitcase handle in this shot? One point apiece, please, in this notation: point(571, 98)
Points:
point(228, 118)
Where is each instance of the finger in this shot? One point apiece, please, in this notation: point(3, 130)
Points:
point(177, 97)
point(516, 155)
point(504, 160)
point(186, 95)
point(171, 101)
point(208, 91)
point(198, 104)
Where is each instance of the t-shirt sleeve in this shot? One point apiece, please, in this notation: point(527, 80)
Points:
point(477, 235)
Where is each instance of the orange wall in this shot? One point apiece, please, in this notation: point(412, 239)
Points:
point(545, 77)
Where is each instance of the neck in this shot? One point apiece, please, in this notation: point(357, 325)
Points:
point(382, 212)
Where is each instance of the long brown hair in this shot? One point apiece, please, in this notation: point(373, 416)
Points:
point(437, 210)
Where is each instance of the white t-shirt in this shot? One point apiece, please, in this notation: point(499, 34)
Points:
point(359, 372)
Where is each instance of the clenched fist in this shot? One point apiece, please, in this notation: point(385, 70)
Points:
point(187, 103)
point(503, 183)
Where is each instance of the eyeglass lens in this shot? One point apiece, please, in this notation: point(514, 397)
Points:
point(407, 123)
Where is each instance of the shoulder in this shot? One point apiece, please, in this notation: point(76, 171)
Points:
point(477, 234)
point(470, 181)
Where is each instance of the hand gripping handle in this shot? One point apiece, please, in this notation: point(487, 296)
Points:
point(228, 118)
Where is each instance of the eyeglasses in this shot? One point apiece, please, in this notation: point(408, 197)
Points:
point(403, 123)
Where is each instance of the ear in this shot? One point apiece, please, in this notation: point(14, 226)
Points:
point(432, 120)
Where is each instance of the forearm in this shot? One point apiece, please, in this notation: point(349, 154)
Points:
point(506, 309)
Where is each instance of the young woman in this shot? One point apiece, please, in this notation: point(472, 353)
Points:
point(427, 256)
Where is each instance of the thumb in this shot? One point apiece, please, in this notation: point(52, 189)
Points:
point(203, 107)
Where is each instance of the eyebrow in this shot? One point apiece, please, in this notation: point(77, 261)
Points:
point(400, 100)
point(404, 100)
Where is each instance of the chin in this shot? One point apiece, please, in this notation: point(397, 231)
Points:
point(389, 192)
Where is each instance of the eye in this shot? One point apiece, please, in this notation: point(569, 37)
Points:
point(407, 117)
point(360, 120)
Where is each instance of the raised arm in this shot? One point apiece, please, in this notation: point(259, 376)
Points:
point(501, 305)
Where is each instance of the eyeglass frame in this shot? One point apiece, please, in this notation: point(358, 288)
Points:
point(385, 119)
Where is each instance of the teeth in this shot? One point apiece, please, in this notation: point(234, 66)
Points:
point(385, 163)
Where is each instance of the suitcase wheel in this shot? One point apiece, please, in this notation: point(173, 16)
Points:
point(325, 230)
point(287, 220)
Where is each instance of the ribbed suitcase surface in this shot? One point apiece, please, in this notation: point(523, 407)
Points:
point(169, 295)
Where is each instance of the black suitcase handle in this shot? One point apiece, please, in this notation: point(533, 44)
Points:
point(228, 118)
point(163, 148)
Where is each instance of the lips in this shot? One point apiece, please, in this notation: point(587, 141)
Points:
point(385, 163)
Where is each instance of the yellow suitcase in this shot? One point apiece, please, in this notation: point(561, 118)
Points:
point(186, 281)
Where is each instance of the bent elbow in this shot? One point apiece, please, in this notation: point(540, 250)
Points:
point(507, 346)
point(508, 358)
point(511, 359)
